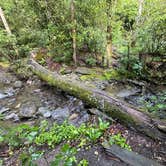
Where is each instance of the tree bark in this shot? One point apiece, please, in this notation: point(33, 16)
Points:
point(72, 6)
point(103, 101)
point(109, 45)
point(109, 35)
point(7, 28)
point(5, 22)
point(129, 157)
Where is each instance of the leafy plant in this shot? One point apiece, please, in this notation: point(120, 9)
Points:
point(103, 125)
point(155, 103)
point(91, 61)
point(25, 135)
point(67, 157)
point(1, 116)
point(119, 140)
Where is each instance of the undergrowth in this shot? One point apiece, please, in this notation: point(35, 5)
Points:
point(33, 138)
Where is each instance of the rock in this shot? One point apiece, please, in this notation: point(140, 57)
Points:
point(101, 84)
point(60, 114)
point(83, 71)
point(127, 92)
point(44, 112)
point(7, 93)
point(6, 78)
point(47, 114)
point(83, 119)
point(18, 84)
point(27, 110)
point(67, 71)
point(76, 105)
point(2, 95)
point(73, 116)
point(100, 114)
point(3, 110)
point(162, 127)
point(12, 116)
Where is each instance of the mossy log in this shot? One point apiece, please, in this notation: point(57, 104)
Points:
point(113, 107)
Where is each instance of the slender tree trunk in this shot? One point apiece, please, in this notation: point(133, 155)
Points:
point(128, 56)
point(5, 22)
point(109, 45)
point(72, 7)
point(109, 35)
point(2, 16)
point(139, 10)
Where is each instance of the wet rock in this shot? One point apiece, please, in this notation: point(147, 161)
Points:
point(76, 105)
point(67, 71)
point(7, 93)
point(100, 114)
point(18, 84)
point(83, 71)
point(60, 114)
point(6, 78)
point(73, 116)
point(2, 95)
point(127, 92)
point(101, 84)
point(3, 110)
point(83, 119)
point(13, 117)
point(27, 110)
point(44, 112)
point(10, 92)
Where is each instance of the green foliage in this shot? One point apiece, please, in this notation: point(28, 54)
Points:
point(119, 140)
point(91, 61)
point(110, 74)
point(67, 157)
point(1, 116)
point(44, 134)
point(134, 66)
point(1, 162)
point(155, 103)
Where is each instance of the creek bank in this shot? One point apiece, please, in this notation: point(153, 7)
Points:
point(43, 96)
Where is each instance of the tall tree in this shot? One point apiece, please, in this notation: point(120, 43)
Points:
point(73, 20)
point(5, 22)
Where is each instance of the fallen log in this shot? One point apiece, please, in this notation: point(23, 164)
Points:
point(113, 107)
point(129, 157)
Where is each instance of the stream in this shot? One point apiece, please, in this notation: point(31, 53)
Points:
point(32, 100)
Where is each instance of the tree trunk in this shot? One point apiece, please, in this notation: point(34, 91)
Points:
point(72, 7)
point(140, 7)
point(5, 22)
point(109, 35)
point(103, 101)
point(7, 29)
point(129, 157)
point(109, 45)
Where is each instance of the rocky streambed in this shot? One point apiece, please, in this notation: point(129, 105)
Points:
point(31, 100)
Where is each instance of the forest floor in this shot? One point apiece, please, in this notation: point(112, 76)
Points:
point(23, 102)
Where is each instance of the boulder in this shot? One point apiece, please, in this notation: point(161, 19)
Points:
point(18, 84)
point(83, 71)
point(27, 110)
point(60, 114)
point(44, 111)
point(12, 116)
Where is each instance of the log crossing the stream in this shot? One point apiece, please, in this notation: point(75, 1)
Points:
point(113, 107)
